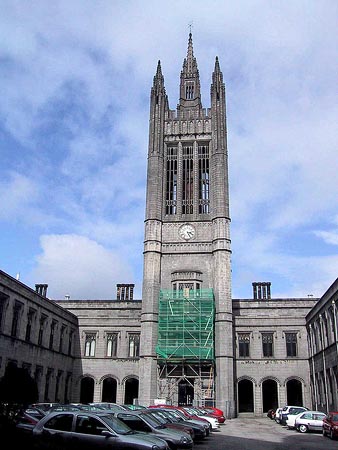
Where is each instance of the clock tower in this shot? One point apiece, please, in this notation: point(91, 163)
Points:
point(186, 351)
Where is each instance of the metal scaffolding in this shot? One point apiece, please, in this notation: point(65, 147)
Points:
point(185, 348)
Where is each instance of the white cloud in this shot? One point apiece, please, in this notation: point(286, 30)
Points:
point(74, 108)
point(80, 267)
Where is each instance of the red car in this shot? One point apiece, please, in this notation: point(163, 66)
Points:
point(218, 413)
point(330, 425)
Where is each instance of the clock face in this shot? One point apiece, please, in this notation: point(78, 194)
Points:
point(187, 231)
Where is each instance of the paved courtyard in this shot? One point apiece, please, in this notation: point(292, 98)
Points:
point(263, 434)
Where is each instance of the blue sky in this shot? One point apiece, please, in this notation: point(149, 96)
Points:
point(74, 110)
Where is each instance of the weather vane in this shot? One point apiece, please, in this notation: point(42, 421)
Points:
point(190, 26)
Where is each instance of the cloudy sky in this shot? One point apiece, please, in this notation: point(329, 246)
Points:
point(75, 84)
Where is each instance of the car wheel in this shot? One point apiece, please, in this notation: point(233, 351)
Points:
point(324, 432)
point(331, 434)
point(302, 428)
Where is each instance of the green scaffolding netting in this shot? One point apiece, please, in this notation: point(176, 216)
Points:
point(186, 325)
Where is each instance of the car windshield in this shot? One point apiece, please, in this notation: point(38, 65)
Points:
point(152, 421)
point(335, 417)
point(116, 424)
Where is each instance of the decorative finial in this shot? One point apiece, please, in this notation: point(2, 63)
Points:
point(190, 25)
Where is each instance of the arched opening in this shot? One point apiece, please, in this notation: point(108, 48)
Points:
point(294, 393)
point(87, 390)
point(130, 391)
point(270, 395)
point(109, 387)
point(245, 396)
point(185, 393)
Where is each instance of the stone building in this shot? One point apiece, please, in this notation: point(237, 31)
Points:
point(322, 329)
point(39, 336)
point(187, 340)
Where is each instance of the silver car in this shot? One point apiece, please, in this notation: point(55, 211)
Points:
point(309, 421)
point(83, 430)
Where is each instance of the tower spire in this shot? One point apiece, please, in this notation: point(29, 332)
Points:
point(190, 95)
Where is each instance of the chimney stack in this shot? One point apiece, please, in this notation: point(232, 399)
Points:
point(261, 290)
point(41, 289)
point(125, 292)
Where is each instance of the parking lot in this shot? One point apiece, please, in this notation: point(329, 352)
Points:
point(263, 434)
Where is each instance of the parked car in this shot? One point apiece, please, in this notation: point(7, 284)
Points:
point(73, 430)
point(287, 410)
point(190, 416)
point(310, 421)
point(183, 415)
point(176, 420)
point(161, 416)
point(143, 421)
point(109, 405)
point(134, 407)
point(330, 425)
point(209, 412)
point(278, 414)
point(291, 419)
point(198, 413)
point(215, 410)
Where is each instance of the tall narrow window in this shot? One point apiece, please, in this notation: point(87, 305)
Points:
point(189, 91)
point(70, 342)
point(51, 335)
point(203, 179)
point(267, 344)
point(291, 344)
point(134, 345)
point(30, 317)
point(112, 344)
point(3, 303)
point(90, 344)
point(62, 333)
point(171, 190)
point(188, 180)
point(49, 375)
point(15, 321)
point(244, 345)
point(43, 320)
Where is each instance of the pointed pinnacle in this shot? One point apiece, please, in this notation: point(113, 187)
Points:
point(217, 68)
point(190, 54)
point(159, 70)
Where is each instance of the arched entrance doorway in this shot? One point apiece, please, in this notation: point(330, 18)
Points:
point(130, 391)
point(294, 393)
point(245, 396)
point(109, 386)
point(270, 395)
point(185, 392)
point(87, 390)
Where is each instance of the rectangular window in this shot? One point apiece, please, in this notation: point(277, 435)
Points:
point(134, 345)
point(112, 344)
point(188, 180)
point(203, 179)
point(244, 345)
point(291, 344)
point(267, 343)
point(90, 344)
point(171, 188)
